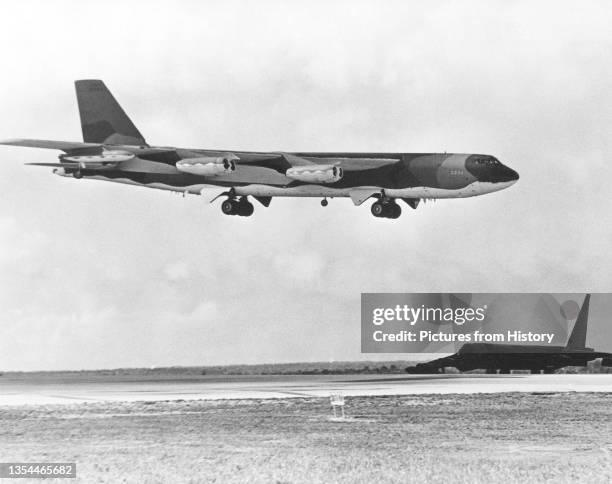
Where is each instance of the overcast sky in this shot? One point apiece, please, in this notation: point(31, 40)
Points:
point(98, 275)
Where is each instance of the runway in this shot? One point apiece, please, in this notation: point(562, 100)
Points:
point(43, 389)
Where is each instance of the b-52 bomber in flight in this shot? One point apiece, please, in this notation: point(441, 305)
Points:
point(114, 150)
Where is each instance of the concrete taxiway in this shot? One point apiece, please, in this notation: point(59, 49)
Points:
point(40, 390)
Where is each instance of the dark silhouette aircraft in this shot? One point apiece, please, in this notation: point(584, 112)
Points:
point(494, 357)
point(114, 150)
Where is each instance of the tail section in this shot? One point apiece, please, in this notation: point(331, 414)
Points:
point(577, 339)
point(102, 118)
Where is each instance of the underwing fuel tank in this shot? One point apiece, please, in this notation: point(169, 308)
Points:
point(315, 173)
point(207, 166)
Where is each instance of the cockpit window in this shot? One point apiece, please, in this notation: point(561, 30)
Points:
point(487, 160)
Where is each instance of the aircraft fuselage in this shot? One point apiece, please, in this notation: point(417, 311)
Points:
point(400, 175)
point(512, 357)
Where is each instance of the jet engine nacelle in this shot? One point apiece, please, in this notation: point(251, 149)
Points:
point(105, 158)
point(315, 173)
point(207, 165)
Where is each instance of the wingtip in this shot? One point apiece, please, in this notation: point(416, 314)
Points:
point(83, 81)
point(10, 141)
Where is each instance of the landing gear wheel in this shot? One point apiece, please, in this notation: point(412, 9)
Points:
point(378, 209)
point(393, 210)
point(230, 207)
point(245, 208)
point(324, 203)
point(387, 209)
point(78, 175)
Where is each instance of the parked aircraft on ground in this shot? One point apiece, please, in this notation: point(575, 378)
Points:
point(494, 357)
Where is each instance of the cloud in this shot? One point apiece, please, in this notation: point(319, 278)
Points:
point(205, 311)
point(301, 267)
point(177, 270)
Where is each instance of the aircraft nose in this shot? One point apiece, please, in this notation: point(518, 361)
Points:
point(488, 169)
point(506, 174)
point(499, 174)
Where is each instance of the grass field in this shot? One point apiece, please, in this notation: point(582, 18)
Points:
point(557, 437)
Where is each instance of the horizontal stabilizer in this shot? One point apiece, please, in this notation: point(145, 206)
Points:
point(50, 144)
point(55, 165)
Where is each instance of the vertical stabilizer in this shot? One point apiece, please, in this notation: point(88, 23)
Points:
point(102, 118)
point(577, 339)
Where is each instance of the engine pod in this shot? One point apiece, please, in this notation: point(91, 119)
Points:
point(207, 166)
point(315, 173)
point(104, 158)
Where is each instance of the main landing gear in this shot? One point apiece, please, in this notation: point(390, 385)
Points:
point(386, 209)
point(233, 206)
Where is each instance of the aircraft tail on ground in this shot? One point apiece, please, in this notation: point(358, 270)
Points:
point(102, 118)
point(577, 339)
